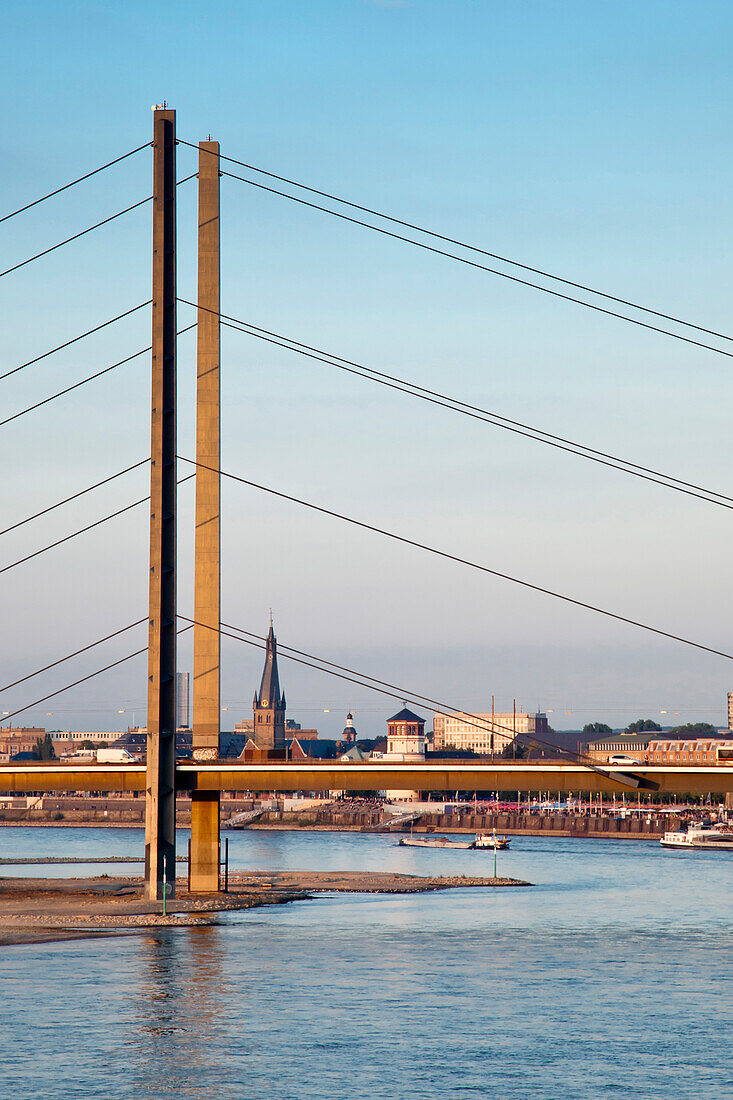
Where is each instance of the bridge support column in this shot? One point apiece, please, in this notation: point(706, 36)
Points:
point(160, 784)
point(207, 595)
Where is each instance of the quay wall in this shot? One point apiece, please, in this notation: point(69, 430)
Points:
point(647, 826)
point(128, 811)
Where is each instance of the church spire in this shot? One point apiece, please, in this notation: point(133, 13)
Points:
point(269, 701)
point(269, 694)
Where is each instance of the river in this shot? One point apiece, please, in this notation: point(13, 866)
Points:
point(610, 977)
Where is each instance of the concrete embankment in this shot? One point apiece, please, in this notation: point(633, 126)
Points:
point(121, 812)
point(637, 827)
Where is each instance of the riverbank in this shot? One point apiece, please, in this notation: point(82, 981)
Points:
point(34, 910)
point(129, 813)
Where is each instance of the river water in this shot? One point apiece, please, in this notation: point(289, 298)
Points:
point(610, 977)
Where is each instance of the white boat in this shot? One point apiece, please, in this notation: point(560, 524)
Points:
point(491, 841)
point(696, 837)
point(434, 842)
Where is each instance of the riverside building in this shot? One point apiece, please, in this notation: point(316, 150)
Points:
point(405, 742)
point(19, 739)
point(485, 733)
point(655, 748)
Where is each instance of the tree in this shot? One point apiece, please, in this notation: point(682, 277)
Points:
point(513, 750)
point(642, 725)
point(693, 729)
point(596, 727)
point(44, 748)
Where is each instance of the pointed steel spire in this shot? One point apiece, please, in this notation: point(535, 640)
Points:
point(269, 694)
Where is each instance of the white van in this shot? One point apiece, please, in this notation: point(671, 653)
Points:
point(624, 761)
point(114, 756)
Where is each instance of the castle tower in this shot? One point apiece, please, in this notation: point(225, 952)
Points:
point(405, 736)
point(269, 702)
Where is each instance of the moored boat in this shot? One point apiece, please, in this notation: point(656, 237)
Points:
point(696, 837)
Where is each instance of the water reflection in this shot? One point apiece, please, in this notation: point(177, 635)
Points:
point(613, 969)
point(174, 1040)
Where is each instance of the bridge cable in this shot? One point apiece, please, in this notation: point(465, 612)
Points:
point(398, 692)
point(89, 229)
point(83, 382)
point(479, 723)
point(75, 237)
point(76, 339)
point(81, 493)
point(82, 530)
point(73, 183)
point(463, 244)
point(491, 270)
point(462, 561)
point(31, 675)
point(83, 679)
point(487, 416)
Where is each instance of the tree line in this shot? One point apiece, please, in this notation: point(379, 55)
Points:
point(648, 725)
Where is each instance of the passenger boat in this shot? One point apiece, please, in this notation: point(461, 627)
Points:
point(696, 837)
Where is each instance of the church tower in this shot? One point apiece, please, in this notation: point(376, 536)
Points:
point(269, 702)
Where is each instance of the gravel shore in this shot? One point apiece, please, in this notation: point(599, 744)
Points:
point(36, 910)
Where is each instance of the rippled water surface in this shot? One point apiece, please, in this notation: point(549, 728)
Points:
point(610, 977)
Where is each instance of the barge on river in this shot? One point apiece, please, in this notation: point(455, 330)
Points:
point(482, 841)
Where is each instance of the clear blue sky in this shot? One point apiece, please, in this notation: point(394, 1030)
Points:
point(590, 139)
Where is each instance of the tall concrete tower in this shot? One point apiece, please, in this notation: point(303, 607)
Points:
point(269, 702)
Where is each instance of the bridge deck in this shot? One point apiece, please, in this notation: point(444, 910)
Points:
point(451, 775)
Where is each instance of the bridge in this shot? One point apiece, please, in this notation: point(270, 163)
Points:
point(449, 775)
point(162, 776)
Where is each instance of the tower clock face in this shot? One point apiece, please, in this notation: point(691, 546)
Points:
point(264, 702)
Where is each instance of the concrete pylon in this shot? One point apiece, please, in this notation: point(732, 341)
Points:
point(160, 783)
point(207, 595)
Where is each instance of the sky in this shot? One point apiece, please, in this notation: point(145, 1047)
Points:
point(591, 140)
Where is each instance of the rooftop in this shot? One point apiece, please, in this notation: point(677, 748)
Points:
point(406, 715)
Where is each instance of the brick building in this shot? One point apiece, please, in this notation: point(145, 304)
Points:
point(701, 750)
point(19, 739)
